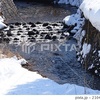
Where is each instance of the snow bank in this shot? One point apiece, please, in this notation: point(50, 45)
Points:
point(15, 80)
point(2, 25)
point(91, 10)
point(12, 74)
point(72, 2)
point(76, 20)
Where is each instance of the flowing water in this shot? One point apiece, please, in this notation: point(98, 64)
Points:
point(61, 65)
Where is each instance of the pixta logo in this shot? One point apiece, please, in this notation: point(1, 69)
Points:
point(29, 48)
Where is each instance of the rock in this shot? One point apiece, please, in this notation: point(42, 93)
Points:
point(54, 38)
point(20, 29)
point(23, 24)
point(22, 36)
point(18, 34)
point(38, 23)
point(65, 26)
point(47, 36)
point(32, 39)
point(35, 31)
point(31, 33)
point(62, 37)
point(32, 24)
point(43, 33)
point(2, 34)
point(51, 33)
point(9, 33)
point(49, 28)
point(6, 40)
point(17, 23)
point(55, 24)
point(27, 28)
point(11, 26)
point(60, 31)
point(45, 24)
point(16, 39)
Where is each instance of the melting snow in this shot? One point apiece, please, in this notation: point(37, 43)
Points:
point(16, 80)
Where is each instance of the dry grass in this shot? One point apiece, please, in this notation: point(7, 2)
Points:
point(6, 53)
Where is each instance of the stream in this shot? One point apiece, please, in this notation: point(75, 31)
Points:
point(59, 65)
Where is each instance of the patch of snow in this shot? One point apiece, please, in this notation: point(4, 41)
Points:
point(76, 20)
point(2, 25)
point(12, 74)
point(72, 2)
point(73, 19)
point(96, 71)
point(15, 80)
point(66, 33)
point(99, 53)
point(22, 61)
point(91, 10)
point(85, 49)
point(92, 66)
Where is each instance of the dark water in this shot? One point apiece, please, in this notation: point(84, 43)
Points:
point(35, 11)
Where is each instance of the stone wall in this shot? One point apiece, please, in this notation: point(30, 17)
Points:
point(92, 59)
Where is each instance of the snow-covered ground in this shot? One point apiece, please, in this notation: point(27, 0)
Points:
point(91, 10)
point(19, 81)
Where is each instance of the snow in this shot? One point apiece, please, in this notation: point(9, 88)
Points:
point(2, 25)
point(91, 10)
point(76, 20)
point(15, 80)
point(99, 53)
point(12, 74)
point(92, 66)
point(72, 2)
point(86, 49)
